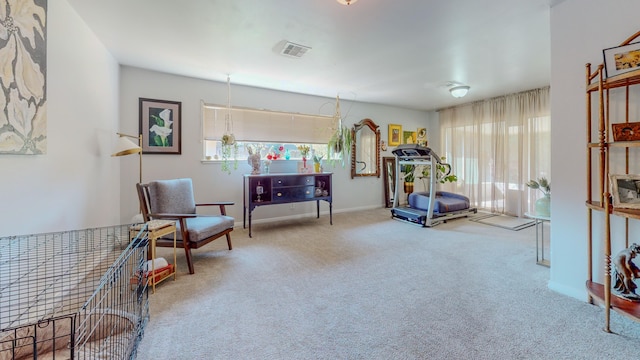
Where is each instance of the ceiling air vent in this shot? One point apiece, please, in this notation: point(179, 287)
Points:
point(294, 50)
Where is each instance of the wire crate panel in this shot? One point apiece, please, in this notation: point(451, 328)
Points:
point(69, 295)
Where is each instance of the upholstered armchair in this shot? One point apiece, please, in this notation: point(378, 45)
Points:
point(174, 199)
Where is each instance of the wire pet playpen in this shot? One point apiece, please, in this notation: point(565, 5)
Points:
point(73, 295)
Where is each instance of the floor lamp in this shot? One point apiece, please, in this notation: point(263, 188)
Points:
point(128, 147)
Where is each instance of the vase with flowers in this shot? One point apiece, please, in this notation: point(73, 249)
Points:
point(272, 154)
point(543, 204)
point(304, 152)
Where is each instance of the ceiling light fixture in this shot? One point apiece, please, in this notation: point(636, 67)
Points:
point(459, 91)
point(346, 2)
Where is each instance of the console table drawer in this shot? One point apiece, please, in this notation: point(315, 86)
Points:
point(293, 193)
point(292, 180)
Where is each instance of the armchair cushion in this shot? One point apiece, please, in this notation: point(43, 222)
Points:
point(172, 196)
point(203, 227)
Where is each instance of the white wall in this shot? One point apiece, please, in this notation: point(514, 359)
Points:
point(580, 29)
point(75, 184)
point(210, 182)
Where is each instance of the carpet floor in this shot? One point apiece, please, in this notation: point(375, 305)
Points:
point(370, 287)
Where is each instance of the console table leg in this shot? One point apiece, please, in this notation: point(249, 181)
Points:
point(331, 213)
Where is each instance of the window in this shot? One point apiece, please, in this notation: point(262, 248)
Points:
point(496, 146)
point(269, 129)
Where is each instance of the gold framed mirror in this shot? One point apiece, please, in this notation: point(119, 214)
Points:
point(365, 149)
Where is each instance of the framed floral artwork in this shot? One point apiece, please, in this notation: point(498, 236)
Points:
point(160, 126)
point(395, 135)
point(23, 99)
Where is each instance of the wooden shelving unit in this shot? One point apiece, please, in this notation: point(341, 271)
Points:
point(599, 154)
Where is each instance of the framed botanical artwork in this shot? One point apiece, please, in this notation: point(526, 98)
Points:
point(395, 135)
point(421, 138)
point(625, 190)
point(409, 137)
point(160, 126)
point(621, 59)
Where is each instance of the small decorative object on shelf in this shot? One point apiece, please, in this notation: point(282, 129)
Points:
point(259, 192)
point(626, 131)
point(625, 272)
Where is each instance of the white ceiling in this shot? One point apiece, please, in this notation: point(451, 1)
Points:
point(400, 53)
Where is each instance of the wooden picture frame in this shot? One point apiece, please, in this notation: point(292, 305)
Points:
point(621, 59)
point(625, 190)
point(409, 137)
point(160, 126)
point(421, 136)
point(395, 134)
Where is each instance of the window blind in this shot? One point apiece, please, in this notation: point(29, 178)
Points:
point(250, 125)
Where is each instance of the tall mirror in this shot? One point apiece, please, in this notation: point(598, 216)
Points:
point(365, 149)
point(389, 174)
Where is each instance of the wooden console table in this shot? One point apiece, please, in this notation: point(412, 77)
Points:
point(271, 189)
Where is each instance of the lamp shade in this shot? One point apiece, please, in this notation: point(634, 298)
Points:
point(126, 147)
point(459, 91)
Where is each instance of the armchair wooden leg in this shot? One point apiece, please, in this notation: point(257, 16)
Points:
point(229, 241)
point(187, 252)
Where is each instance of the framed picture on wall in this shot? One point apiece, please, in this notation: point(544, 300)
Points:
point(160, 126)
point(621, 59)
point(395, 134)
point(409, 137)
point(421, 137)
point(625, 190)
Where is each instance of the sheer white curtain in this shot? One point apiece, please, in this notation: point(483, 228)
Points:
point(495, 146)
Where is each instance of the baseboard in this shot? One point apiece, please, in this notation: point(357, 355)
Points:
point(579, 294)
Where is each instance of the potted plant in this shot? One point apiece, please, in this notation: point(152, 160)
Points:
point(408, 177)
point(229, 151)
point(443, 173)
point(317, 162)
point(339, 145)
point(543, 204)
